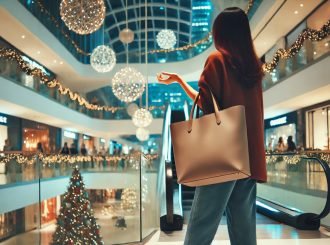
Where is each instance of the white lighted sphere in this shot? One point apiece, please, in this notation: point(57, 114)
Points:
point(103, 59)
point(82, 16)
point(126, 35)
point(166, 39)
point(142, 134)
point(132, 108)
point(128, 84)
point(142, 118)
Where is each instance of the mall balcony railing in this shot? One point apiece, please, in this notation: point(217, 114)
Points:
point(297, 191)
point(46, 177)
point(10, 71)
point(310, 53)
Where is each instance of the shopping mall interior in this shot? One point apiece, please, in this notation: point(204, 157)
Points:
point(86, 153)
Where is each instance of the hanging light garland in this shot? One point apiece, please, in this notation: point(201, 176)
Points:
point(13, 55)
point(206, 39)
point(49, 160)
point(82, 16)
point(103, 59)
point(307, 34)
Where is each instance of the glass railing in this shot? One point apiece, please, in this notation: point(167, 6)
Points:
point(297, 182)
point(310, 53)
point(10, 71)
point(121, 191)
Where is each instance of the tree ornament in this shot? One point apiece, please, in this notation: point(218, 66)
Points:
point(128, 84)
point(126, 36)
point(166, 39)
point(103, 59)
point(142, 118)
point(82, 16)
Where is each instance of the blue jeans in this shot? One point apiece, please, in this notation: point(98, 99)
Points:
point(238, 199)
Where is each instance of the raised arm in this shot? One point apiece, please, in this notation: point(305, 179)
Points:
point(168, 78)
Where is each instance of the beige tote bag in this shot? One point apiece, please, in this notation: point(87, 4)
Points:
point(211, 149)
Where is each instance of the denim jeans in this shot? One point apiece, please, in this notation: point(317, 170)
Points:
point(238, 199)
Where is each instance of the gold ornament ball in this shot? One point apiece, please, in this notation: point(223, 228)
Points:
point(82, 16)
point(126, 35)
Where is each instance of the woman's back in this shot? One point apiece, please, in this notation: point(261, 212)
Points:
point(222, 78)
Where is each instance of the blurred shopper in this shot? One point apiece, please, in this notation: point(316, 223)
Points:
point(65, 149)
point(291, 146)
point(234, 74)
point(83, 150)
point(73, 149)
point(280, 147)
point(40, 148)
point(7, 146)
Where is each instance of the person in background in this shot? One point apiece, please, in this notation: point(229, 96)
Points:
point(73, 149)
point(7, 146)
point(83, 150)
point(65, 150)
point(39, 148)
point(291, 146)
point(280, 147)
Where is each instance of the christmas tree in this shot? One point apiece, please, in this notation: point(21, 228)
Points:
point(76, 223)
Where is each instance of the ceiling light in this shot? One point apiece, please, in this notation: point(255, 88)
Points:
point(38, 52)
point(301, 5)
point(296, 12)
point(23, 36)
point(55, 61)
point(315, 53)
point(326, 44)
point(61, 62)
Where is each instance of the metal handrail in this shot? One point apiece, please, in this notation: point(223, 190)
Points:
point(326, 168)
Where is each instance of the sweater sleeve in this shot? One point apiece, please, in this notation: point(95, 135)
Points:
point(211, 77)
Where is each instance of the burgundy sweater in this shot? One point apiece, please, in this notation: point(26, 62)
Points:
point(220, 77)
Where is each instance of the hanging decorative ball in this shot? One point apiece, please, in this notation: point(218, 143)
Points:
point(166, 39)
point(82, 16)
point(142, 134)
point(126, 35)
point(132, 108)
point(103, 59)
point(128, 84)
point(142, 118)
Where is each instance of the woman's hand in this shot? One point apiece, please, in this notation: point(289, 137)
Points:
point(168, 79)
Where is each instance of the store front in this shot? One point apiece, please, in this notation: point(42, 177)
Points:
point(34, 132)
point(318, 127)
point(3, 130)
point(70, 138)
point(281, 126)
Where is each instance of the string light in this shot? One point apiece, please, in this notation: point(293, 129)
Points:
point(206, 39)
point(142, 118)
point(307, 34)
point(13, 55)
point(48, 160)
point(82, 16)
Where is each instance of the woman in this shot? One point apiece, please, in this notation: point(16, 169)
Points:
point(291, 145)
point(234, 75)
point(280, 147)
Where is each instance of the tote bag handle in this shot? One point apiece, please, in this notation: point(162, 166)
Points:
point(216, 111)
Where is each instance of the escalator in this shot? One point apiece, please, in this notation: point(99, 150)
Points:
point(296, 194)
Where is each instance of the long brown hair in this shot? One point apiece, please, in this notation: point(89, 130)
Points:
point(232, 37)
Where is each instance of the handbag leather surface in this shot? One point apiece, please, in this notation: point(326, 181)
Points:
point(211, 149)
